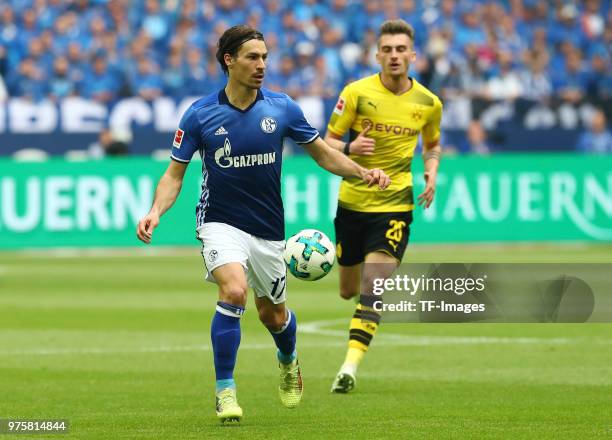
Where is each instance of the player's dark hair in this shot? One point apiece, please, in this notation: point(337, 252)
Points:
point(232, 39)
point(392, 27)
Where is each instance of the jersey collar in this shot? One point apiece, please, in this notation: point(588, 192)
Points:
point(223, 99)
point(389, 91)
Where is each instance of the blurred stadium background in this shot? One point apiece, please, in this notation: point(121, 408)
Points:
point(91, 92)
point(515, 75)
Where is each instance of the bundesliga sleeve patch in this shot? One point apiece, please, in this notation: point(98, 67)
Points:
point(178, 138)
point(339, 109)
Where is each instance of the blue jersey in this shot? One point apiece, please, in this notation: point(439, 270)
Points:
point(241, 154)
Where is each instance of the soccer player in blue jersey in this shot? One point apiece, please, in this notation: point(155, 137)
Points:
point(238, 131)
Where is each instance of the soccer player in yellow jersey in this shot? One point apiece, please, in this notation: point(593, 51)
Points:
point(384, 115)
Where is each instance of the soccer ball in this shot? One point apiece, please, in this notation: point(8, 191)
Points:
point(309, 255)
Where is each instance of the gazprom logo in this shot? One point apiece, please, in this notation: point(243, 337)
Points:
point(224, 158)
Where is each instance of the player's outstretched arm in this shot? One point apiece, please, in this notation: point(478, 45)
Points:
point(167, 191)
point(431, 159)
point(337, 163)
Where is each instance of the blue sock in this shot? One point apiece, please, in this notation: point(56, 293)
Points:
point(285, 339)
point(225, 337)
point(225, 383)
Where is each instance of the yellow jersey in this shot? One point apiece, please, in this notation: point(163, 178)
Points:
point(395, 123)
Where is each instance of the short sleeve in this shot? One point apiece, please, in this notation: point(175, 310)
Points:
point(431, 130)
point(344, 113)
point(298, 127)
point(187, 137)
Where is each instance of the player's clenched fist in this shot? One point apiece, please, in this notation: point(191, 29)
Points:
point(377, 176)
point(144, 230)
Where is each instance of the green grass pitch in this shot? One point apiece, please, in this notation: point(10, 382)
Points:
point(119, 345)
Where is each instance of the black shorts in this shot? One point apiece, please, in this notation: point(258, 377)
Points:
point(359, 233)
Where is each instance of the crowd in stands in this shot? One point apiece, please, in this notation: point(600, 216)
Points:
point(108, 49)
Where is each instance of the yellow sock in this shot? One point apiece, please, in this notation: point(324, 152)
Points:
point(354, 355)
point(362, 330)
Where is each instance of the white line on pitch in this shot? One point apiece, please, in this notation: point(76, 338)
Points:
point(159, 349)
point(312, 328)
point(317, 328)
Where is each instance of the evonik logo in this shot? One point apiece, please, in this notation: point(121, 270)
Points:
point(224, 158)
point(389, 128)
